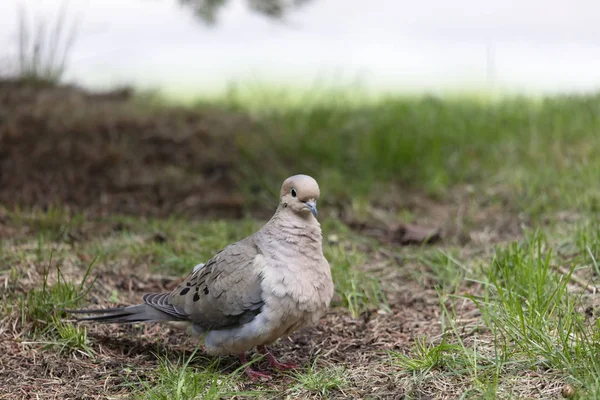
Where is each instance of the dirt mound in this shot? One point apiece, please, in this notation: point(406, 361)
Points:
point(106, 152)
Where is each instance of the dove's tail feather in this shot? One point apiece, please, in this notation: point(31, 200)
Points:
point(124, 315)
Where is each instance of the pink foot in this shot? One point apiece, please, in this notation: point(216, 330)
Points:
point(273, 363)
point(256, 375)
point(253, 374)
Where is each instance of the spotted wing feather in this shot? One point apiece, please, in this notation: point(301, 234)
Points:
point(225, 291)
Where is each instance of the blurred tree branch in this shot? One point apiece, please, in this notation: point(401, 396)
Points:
point(207, 10)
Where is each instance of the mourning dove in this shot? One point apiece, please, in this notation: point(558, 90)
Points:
point(254, 291)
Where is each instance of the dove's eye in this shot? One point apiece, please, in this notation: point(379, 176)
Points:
point(294, 194)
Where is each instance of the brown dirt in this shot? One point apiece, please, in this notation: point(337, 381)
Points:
point(107, 153)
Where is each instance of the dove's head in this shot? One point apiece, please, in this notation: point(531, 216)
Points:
point(299, 193)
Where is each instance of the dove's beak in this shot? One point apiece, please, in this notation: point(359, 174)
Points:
point(312, 206)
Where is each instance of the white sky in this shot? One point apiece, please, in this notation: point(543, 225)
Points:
point(535, 45)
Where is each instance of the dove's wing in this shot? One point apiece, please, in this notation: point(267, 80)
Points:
point(225, 291)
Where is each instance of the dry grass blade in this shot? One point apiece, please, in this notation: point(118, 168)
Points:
point(43, 50)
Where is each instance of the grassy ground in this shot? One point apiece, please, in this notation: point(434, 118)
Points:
point(505, 306)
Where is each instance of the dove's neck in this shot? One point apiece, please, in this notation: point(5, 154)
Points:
point(287, 227)
point(286, 218)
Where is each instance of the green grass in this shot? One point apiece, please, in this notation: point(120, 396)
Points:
point(42, 311)
point(179, 380)
point(533, 314)
point(173, 246)
point(532, 321)
point(445, 270)
point(323, 382)
point(538, 153)
point(55, 222)
point(425, 356)
point(355, 289)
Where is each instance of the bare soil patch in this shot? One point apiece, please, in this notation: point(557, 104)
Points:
point(107, 153)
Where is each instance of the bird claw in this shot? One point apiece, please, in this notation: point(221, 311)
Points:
point(253, 374)
point(256, 375)
point(273, 363)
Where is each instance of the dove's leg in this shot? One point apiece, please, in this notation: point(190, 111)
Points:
point(253, 374)
point(273, 361)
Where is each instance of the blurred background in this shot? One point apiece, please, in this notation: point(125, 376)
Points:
point(194, 47)
point(202, 106)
